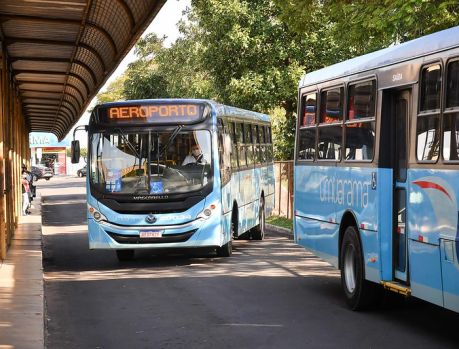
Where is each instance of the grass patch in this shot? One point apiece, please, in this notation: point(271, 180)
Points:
point(280, 222)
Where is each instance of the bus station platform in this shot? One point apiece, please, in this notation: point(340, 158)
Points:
point(21, 286)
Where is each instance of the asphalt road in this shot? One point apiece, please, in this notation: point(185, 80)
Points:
point(269, 294)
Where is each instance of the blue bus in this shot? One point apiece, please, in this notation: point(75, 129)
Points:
point(176, 173)
point(377, 170)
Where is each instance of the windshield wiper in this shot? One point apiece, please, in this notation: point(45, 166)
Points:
point(128, 142)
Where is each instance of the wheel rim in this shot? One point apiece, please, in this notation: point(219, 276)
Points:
point(349, 268)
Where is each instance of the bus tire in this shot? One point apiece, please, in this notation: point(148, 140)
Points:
point(360, 293)
point(125, 255)
point(258, 232)
point(226, 250)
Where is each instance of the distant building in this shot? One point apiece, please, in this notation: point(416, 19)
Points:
point(45, 149)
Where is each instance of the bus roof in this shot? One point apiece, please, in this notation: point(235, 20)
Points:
point(422, 46)
point(219, 109)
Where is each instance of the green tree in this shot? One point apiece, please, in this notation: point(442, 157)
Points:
point(362, 26)
point(83, 153)
point(114, 91)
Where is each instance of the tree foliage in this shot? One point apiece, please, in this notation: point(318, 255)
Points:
point(252, 53)
point(114, 91)
point(361, 26)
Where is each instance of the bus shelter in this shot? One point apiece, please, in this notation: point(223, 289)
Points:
point(54, 57)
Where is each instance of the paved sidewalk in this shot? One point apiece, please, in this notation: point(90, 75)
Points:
point(280, 231)
point(21, 286)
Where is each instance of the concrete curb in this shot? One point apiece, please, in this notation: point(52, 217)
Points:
point(279, 231)
point(22, 285)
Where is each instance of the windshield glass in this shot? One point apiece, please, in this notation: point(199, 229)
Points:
point(150, 162)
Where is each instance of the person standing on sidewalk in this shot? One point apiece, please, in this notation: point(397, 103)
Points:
point(33, 189)
point(25, 195)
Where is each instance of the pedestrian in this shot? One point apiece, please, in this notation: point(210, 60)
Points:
point(33, 189)
point(25, 195)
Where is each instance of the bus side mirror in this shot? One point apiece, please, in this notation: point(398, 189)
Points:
point(75, 148)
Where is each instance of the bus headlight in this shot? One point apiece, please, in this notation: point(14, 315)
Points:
point(208, 211)
point(96, 214)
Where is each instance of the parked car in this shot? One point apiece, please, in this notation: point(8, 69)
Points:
point(82, 172)
point(41, 172)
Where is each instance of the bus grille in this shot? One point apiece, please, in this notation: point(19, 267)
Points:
point(135, 239)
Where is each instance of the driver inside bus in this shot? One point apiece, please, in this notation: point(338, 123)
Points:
point(196, 156)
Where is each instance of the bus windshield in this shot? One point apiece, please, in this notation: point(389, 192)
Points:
point(150, 162)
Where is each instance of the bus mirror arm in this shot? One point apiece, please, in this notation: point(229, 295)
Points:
point(75, 146)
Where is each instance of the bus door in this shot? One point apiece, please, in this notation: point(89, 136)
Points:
point(402, 103)
point(394, 155)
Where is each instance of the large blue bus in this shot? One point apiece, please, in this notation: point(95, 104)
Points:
point(177, 174)
point(377, 170)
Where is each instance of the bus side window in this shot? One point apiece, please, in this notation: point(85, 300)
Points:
point(261, 136)
point(307, 144)
point(430, 87)
point(428, 121)
point(451, 116)
point(224, 144)
point(240, 145)
point(331, 106)
point(248, 143)
point(256, 144)
point(269, 145)
point(234, 152)
point(308, 114)
point(360, 124)
point(329, 143)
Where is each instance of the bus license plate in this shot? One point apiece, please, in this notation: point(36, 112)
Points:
point(151, 234)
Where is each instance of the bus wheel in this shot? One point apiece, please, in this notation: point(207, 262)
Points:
point(359, 292)
point(226, 250)
point(258, 232)
point(125, 255)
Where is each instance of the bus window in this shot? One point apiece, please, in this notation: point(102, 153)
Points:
point(261, 137)
point(258, 157)
point(331, 106)
point(234, 153)
point(430, 88)
point(269, 146)
point(451, 120)
point(224, 148)
point(307, 144)
point(329, 144)
point(451, 137)
point(360, 138)
point(452, 85)
point(362, 100)
point(308, 114)
point(240, 144)
point(248, 144)
point(428, 138)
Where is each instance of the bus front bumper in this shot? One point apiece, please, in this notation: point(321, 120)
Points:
point(195, 234)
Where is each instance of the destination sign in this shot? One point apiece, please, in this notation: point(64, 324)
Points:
point(151, 113)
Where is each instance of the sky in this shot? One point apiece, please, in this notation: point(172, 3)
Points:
point(164, 24)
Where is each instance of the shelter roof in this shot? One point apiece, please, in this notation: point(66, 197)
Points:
point(61, 52)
